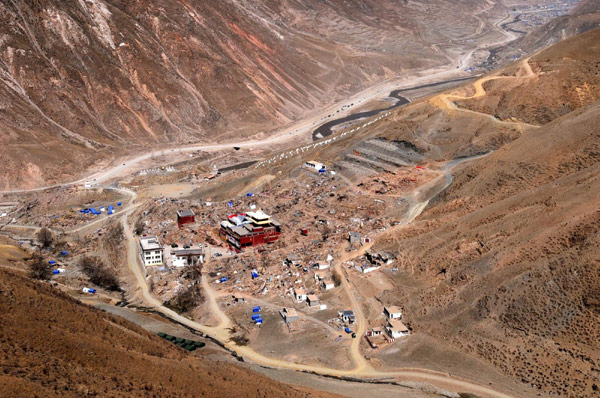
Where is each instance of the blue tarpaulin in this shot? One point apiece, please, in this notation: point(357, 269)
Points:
point(255, 317)
point(56, 272)
point(64, 253)
point(224, 279)
point(254, 275)
point(119, 203)
point(51, 262)
point(249, 194)
point(256, 309)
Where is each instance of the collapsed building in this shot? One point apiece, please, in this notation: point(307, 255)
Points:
point(249, 229)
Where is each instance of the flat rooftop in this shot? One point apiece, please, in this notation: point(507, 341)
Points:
point(397, 325)
point(188, 252)
point(393, 309)
point(150, 243)
point(185, 213)
point(289, 312)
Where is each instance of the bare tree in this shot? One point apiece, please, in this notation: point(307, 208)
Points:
point(139, 227)
point(39, 268)
point(326, 232)
point(45, 237)
point(337, 279)
point(186, 300)
point(98, 273)
point(193, 272)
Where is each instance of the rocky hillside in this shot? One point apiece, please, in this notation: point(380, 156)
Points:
point(507, 259)
point(84, 81)
point(52, 346)
point(585, 17)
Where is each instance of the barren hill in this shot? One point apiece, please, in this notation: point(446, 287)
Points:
point(84, 81)
point(53, 346)
point(507, 259)
point(585, 17)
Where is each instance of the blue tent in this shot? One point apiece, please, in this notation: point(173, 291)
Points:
point(224, 279)
point(56, 272)
point(256, 309)
point(256, 316)
point(111, 209)
point(258, 321)
point(64, 253)
point(52, 262)
point(119, 203)
point(254, 275)
point(249, 194)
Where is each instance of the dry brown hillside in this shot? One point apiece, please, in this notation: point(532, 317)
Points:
point(53, 346)
point(567, 77)
point(84, 81)
point(507, 259)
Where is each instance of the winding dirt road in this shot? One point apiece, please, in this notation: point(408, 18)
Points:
point(446, 101)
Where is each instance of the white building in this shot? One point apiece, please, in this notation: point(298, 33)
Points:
point(152, 251)
point(300, 294)
point(395, 329)
point(328, 284)
point(316, 166)
point(187, 256)
point(365, 269)
point(392, 312)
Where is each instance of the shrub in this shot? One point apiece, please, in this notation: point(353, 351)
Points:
point(98, 273)
point(139, 227)
point(186, 300)
point(39, 268)
point(45, 237)
point(337, 279)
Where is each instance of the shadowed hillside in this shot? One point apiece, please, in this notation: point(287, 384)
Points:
point(52, 346)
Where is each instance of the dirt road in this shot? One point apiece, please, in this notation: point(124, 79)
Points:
point(446, 101)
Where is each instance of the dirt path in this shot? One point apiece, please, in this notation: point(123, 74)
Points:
point(447, 101)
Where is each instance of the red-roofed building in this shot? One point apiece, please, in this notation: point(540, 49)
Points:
point(250, 229)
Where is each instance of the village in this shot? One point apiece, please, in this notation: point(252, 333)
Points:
point(282, 258)
point(276, 258)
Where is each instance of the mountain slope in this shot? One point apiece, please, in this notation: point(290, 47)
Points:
point(84, 81)
point(53, 346)
point(507, 258)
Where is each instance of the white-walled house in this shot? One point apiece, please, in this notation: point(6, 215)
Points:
point(152, 251)
point(392, 312)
